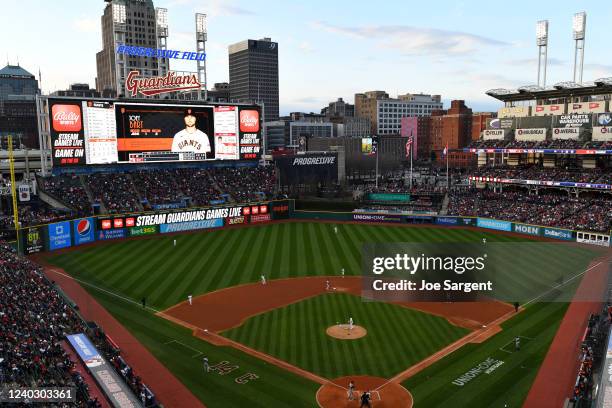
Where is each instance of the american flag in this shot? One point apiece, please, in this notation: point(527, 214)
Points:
point(409, 145)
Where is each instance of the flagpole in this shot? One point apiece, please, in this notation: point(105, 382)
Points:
point(410, 166)
point(377, 167)
point(447, 174)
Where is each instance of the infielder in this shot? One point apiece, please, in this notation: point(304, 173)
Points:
point(327, 285)
point(263, 280)
point(206, 365)
point(342, 272)
point(517, 343)
point(189, 299)
point(351, 390)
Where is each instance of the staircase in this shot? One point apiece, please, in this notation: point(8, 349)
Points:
point(90, 194)
point(445, 201)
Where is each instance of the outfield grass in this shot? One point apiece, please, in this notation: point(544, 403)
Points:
point(205, 261)
point(296, 334)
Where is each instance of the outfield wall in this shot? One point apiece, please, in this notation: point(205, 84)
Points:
point(80, 231)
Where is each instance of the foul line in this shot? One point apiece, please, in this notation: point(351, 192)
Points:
point(184, 345)
point(100, 289)
point(561, 284)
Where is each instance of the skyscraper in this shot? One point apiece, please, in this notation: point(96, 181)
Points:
point(133, 23)
point(253, 72)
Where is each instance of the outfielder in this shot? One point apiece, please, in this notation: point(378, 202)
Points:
point(335, 229)
point(342, 272)
point(206, 365)
point(263, 280)
point(175, 242)
point(189, 299)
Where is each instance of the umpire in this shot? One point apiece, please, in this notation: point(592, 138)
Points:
point(365, 400)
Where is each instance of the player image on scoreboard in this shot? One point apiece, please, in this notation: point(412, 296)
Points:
point(190, 139)
point(160, 132)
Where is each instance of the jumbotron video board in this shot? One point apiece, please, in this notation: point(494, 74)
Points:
point(92, 132)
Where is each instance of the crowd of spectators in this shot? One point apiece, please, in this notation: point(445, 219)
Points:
point(557, 209)
point(245, 183)
point(516, 144)
point(199, 185)
point(68, 189)
point(158, 187)
point(114, 190)
point(34, 322)
point(533, 172)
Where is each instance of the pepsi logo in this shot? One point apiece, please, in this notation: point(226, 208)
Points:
point(84, 227)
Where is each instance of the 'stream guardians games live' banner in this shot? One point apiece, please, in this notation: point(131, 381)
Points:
point(105, 132)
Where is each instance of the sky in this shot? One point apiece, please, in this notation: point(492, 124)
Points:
point(328, 50)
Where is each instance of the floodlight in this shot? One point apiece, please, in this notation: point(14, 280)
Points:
point(579, 25)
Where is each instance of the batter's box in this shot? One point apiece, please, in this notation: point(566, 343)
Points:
point(510, 347)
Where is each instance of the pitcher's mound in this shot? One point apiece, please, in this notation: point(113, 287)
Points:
point(342, 332)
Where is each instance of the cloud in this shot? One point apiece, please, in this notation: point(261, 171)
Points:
point(305, 46)
point(86, 24)
point(410, 40)
point(551, 62)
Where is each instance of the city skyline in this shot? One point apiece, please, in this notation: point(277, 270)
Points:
point(399, 49)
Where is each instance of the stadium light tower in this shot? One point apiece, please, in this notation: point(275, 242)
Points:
point(579, 29)
point(201, 37)
point(161, 19)
point(542, 43)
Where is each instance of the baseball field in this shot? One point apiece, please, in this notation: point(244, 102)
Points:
point(267, 345)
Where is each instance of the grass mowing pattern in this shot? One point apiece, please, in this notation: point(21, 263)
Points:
point(509, 383)
point(296, 334)
point(210, 260)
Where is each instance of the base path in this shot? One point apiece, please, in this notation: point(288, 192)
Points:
point(167, 388)
point(383, 394)
point(241, 302)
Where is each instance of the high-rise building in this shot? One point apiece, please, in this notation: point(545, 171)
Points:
point(18, 90)
point(453, 128)
point(131, 23)
point(253, 73)
point(385, 113)
point(339, 108)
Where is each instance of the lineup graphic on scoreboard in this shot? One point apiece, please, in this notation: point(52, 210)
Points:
point(92, 132)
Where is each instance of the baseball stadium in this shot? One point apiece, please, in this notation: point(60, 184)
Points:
point(162, 252)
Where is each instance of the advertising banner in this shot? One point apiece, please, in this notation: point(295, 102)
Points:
point(191, 215)
point(115, 389)
point(530, 134)
point(493, 134)
point(250, 133)
point(280, 210)
point(602, 133)
point(236, 220)
point(34, 239)
point(59, 235)
point(377, 218)
point(190, 225)
point(308, 168)
point(260, 218)
point(66, 130)
point(527, 229)
point(494, 224)
point(566, 133)
point(447, 221)
point(111, 234)
point(602, 119)
point(83, 230)
point(139, 231)
point(556, 233)
point(573, 120)
point(390, 197)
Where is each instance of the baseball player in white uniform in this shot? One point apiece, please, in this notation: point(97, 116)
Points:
point(263, 280)
point(350, 325)
point(189, 298)
point(190, 139)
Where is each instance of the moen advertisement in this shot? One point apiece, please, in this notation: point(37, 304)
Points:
point(527, 229)
point(83, 230)
point(59, 235)
point(34, 240)
point(107, 132)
